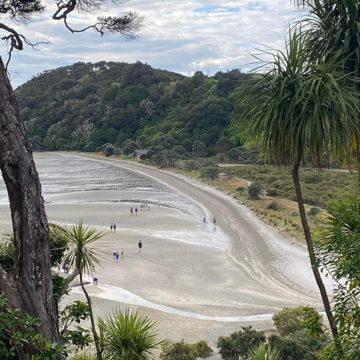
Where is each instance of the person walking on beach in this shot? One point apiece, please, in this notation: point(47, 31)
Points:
point(158, 203)
point(204, 221)
point(131, 211)
point(122, 253)
point(117, 256)
point(111, 227)
point(114, 227)
point(136, 210)
point(140, 245)
point(114, 253)
point(214, 221)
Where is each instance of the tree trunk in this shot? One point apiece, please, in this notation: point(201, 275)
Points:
point(358, 167)
point(28, 286)
point(310, 246)
point(96, 339)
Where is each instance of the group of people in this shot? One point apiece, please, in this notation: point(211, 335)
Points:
point(214, 222)
point(116, 253)
point(145, 206)
point(112, 227)
point(132, 211)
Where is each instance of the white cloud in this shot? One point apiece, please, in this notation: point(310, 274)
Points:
point(177, 36)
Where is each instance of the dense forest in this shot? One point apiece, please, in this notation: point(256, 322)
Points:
point(83, 106)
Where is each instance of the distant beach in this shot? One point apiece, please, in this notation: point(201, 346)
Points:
point(196, 282)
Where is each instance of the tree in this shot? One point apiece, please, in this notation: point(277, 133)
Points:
point(210, 172)
point(198, 149)
point(128, 335)
point(338, 247)
point(182, 351)
point(82, 258)
point(30, 228)
point(166, 158)
point(254, 191)
point(289, 321)
point(130, 147)
point(179, 150)
point(263, 352)
point(239, 343)
point(297, 106)
point(334, 31)
point(223, 145)
point(109, 150)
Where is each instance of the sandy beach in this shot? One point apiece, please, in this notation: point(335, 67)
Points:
point(197, 283)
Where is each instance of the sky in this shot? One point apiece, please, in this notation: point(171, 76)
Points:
point(184, 36)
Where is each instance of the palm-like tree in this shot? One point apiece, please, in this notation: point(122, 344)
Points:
point(294, 106)
point(263, 352)
point(333, 29)
point(81, 257)
point(127, 335)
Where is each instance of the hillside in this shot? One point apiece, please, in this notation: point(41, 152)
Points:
point(109, 102)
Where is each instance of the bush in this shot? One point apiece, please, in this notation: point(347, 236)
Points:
point(195, 164)
point(254, 191)
point(275, 205)
point(130, 147)
point(117, 151)
point(179, 150)
point(90, 147)
point(271, 192)
point(199, 149)
point(221, 157)
point(109, 150)
point(210, 172)
point(313, 211)
point(240, 189)
point(182, 351)
point(239, 343)
point(289, 321)
point(290, 349)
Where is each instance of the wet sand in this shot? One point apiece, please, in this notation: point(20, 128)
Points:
point(244, 268)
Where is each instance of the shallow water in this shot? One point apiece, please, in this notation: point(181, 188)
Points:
point(97, 191)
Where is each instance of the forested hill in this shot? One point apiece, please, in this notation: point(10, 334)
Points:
point(109, 102)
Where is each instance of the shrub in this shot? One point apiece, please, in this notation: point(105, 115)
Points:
point(209, 172)
point(289, 321)
point(179, 150)
point(130, 147)
point(271, 192)
point(275, 205)
point(90, 147)
point(263, 352)
point(290, 349)
point(254, 191)
point(240, 189)
point(221, 157)
point(239, 343)
point(313, 211)
point(198, 149)
point(195, 164)
point(109, 150)
point(117, 151)
point(182, 351)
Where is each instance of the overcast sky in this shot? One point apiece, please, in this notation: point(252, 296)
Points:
point(179, 35)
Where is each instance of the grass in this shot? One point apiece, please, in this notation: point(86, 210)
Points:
point(281, 210)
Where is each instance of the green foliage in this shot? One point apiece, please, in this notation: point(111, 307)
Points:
point(291, 349)
point(80, 256)
point(129, 147)
point(109, 150)
point(338, 249)
point(179, 149)
point(331, 183)
point(263, 352)
point(198, 149)
point(18, 331)
point(195, 164)
point(254, 191)
point(291, 320)
point(125, 101)
point(58, 245)
point(223, 145)
point(72, 334)
point(271, 192)
point(166, 158)
point(313, 211)
point(209, 172)
point(275, 205)
point(127, 335)
point(117, 151)
point(238, 345)
point(182, 351)
point(90, 147)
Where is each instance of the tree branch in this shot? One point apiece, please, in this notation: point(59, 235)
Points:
point(69, 279)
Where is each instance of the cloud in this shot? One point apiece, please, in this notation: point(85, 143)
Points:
point(182, 36)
